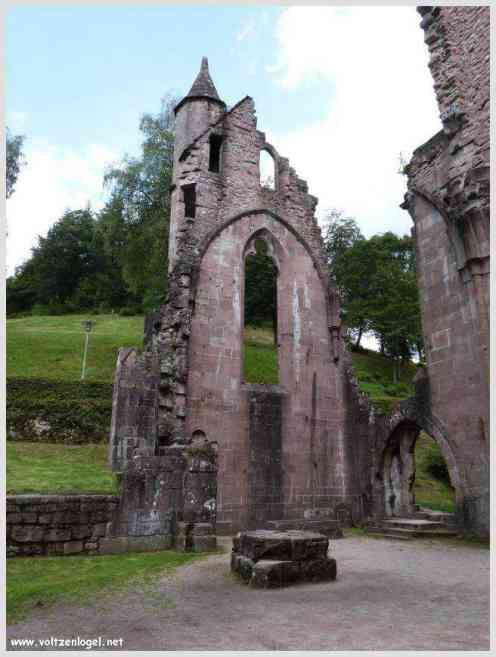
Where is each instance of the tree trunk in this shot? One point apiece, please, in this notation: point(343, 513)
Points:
point(395, 371)
point(360, 331)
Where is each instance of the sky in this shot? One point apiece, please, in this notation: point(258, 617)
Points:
point(340, 91)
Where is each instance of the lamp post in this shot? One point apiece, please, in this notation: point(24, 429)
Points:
point(87, 325)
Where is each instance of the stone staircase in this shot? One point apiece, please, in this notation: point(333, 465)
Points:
point(423, 524)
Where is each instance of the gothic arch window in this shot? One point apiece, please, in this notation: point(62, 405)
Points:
point(267, 169)
point(260, 313)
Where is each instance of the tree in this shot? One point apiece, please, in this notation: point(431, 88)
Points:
point(66, 256)
point(393, 307)
point(377, 283)
point(135, 221)
point(14, 160)
point(340, 235)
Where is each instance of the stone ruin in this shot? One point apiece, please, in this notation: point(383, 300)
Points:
point(199, 450)
point(448, 200)
point(267, 559)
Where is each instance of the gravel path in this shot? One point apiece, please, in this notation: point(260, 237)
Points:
point(420, 595)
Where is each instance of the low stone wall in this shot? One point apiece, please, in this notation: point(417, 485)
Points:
point(57, 524)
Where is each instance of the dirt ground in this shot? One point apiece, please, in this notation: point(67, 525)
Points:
point(420, 595)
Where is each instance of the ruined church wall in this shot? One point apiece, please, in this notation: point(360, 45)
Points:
point(458, 388)
point(236, 188)
point(448, 198)
point(313, 469)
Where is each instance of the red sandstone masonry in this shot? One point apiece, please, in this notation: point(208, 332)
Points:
point(448, 182)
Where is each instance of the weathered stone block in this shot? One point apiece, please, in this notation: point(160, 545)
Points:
point(270, 574)
point(73, 547)
point(57, 534)
point(308, 547)
point(81, 531)
point(116, 545)
point(264, 544)
point(14, 517)
point(29, 518)
point(150, 543)
point(204, 543)
point(45, 519)
point(318, 570)
point(53, 549)
point(99, 530)
point(27, 534)
point(292, 545)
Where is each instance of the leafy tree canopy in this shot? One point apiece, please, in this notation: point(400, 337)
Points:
point(135, 221)
point(14, 160)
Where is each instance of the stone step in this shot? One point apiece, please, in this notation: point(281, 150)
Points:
point(437, 516)
point(412, 533)
point(412, 523)
point(328, 527)
point(390, 536)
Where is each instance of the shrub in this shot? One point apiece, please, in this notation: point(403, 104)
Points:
point(130, 311)
point(58, 411)
point(436, 466)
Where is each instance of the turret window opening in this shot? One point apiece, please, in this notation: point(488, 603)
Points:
point(214, 161)
point(189, 192)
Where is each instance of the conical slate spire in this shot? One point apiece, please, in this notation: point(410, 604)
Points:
point(203, 85)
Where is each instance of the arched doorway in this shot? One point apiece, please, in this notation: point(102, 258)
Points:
point(410, 460)
point(433, 488)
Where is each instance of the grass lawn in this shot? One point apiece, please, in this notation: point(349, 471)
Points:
point(42, 581)
point(52, 347)
point(430, 492)
point(260, 364)
point(48, 468)
point(374, 373)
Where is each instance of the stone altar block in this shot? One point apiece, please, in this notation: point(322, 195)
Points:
point(269, 559)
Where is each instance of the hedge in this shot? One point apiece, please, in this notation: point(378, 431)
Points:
point(58, 411)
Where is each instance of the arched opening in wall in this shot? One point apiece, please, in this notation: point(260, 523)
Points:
point(267, 170)
point(260, 363)
point(433, 488)
point(415, 474)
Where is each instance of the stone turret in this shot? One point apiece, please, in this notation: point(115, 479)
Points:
point(195, 113)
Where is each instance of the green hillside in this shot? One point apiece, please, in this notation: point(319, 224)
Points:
point(50, 349)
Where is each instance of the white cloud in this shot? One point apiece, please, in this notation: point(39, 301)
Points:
point(17, 121)
point(384, 103)
point(246, 30)
point(252, 67)
point(52, 181)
